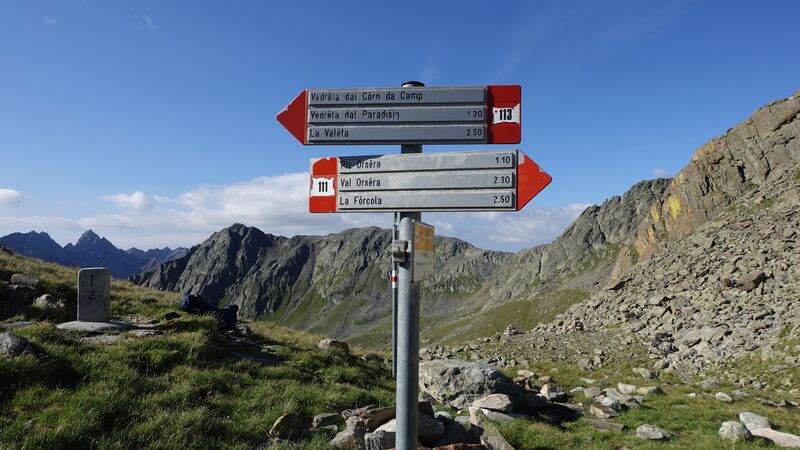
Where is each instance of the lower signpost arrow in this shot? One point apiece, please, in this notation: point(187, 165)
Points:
point(503, 180)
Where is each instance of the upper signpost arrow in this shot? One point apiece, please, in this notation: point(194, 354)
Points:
point(406, 115)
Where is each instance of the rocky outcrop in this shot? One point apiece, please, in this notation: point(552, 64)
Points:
point(755, 153)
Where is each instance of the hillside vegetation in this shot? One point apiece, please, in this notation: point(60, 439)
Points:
point(188, 387)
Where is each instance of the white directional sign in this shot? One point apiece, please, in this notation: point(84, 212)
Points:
point(503, 180)
point(406, 115)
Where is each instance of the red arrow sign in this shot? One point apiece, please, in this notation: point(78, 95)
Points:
point(504, 180)
point(408, 115)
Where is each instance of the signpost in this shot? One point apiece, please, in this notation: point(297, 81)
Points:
point(503, 180)
point(409, 183)
point(406, 115)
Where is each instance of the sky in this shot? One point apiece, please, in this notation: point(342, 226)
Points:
point(153, 123)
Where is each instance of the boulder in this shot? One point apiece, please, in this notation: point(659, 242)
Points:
point(352, 437)
point(592, 392)
point(289, 426)
point(553, 393)
point(326, 420)
point(459, 383)
point(429, 431)
point(24, 280)
point(602, 411)
point(753, 421)
point(644, 373)
point(723, 397)
point(751, 280)
point(778, 438)
point(52, 307)
point(651, 432)
point(379, 440)
point(648, 390)
point(477, 414)
point(327, 344)
point(12, 346)
point(734, 431)
point(495, 402)
point(626, 388)
point(455, 433)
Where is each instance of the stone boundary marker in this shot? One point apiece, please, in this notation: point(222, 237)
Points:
point(94, 295)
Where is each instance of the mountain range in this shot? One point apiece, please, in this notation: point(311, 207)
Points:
point(90, 250)
point(338, 284)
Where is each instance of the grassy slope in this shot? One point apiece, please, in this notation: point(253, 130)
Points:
point(183, 389)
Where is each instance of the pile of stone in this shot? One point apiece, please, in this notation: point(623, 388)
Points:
point(725, 290)
point(21, 294)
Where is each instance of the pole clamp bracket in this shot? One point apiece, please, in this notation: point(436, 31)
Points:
point(400, 252)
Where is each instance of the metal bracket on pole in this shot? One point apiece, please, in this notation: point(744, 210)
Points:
point(400, 251)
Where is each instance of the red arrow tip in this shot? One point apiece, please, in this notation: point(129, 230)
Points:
point(293, 117)
point(531, 179)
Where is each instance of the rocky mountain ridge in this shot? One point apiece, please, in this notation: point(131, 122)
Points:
point(90, 250)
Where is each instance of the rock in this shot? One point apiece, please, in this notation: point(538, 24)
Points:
point(602, 411)
point(651, 432)
point(429, 431)
point(511, 330)
point(753, 421)
point(379, 440)
point(458, 383)
point(495, 402)
point(603, 425)
point(24, 280)
point(327, 419)
point(172, 315)
point(553, 393)
point(327, 344)
point(723, 397)
point(592, 392)
point(455, 433)
point(12, 346)
point(375, 417)
point(288, 426)
point(493, 440)
point(644, 373)
point(751, 281)
point(649, 390)
point(778, 438)
point(52, 307)
point(626, 388)
point(734, 431)
point(476, 414)
point(352, 437)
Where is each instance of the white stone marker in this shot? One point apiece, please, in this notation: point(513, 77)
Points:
point(94, 295)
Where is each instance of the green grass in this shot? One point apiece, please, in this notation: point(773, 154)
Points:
point(693, 422)
point(523, 314)
point(182, 389)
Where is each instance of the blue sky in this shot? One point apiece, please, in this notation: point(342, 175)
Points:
point(154, 122)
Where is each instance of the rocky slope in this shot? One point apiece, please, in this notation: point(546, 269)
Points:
point(90, 250)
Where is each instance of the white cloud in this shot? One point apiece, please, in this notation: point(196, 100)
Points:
point(49, 21)
point(10, 197)
point(660, 173)
point(136, 200)
point(279, 205)
point(145, 20)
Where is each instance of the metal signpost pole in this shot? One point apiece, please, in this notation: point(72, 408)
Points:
point(407, 409)
point(393, 277)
